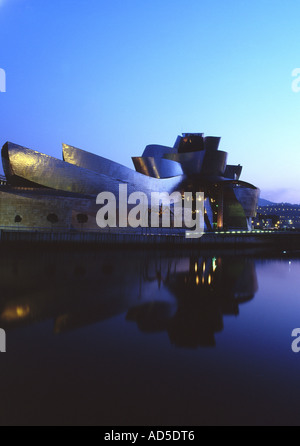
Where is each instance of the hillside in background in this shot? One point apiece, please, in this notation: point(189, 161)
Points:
point(262, 202)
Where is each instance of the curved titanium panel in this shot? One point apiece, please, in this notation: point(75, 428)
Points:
point(191, 163)
point(9, 174)
point(95, 163)
point(50, 172)
point(248, 198)
point(211, 143)
point(233, 172)
point(55, 174)
point(240, 204)
point(214, 163)
point(146, 166)
point(157, 167)
point(177, 143)
point(157, 151)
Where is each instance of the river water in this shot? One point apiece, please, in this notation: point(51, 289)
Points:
point(120, 337)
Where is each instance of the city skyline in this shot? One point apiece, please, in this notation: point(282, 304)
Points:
point(112, 77)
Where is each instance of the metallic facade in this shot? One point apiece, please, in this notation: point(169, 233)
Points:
point(69, 187)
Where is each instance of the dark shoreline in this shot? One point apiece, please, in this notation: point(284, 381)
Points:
point(277, 242)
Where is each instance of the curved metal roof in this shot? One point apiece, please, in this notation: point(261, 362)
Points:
point(37, 168)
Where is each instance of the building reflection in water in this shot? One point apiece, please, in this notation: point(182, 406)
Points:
point(185, 295)
point(205, 289)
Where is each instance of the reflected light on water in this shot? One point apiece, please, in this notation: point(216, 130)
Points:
point(139, 337)
point(12, 313)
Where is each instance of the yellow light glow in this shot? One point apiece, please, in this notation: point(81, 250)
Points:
point(13, 313)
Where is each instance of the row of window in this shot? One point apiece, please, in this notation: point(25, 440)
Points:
point(268, 210)
point(53, 219)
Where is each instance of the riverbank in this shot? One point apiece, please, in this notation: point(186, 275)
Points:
point(285, 240)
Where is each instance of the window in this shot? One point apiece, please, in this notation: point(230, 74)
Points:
point(82, 218)
point(52, 218)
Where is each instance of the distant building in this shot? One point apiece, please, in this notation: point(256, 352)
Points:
point(42, 193)
point(278, 216)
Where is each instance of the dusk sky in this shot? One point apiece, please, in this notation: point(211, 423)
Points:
point(113, 76)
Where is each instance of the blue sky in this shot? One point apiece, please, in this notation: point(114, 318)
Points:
point(113, 76)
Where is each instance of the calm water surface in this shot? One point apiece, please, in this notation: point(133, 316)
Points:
point(149, 338)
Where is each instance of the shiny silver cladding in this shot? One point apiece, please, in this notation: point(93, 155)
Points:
point(194, 164)
point(157, 167)
point(28, 165)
